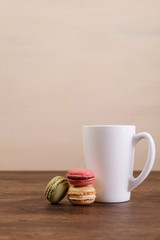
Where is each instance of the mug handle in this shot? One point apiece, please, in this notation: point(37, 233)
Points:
point(134, 182)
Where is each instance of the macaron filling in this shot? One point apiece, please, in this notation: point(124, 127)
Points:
point(81, 178)
point(82, 196)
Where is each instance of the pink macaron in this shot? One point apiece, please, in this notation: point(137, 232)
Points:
point(80, 177)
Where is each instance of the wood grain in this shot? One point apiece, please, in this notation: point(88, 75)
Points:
point(26, 214)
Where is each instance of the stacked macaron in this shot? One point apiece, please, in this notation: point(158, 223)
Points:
point(81, 192)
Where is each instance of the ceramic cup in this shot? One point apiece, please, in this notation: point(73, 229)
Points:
point(109, 153)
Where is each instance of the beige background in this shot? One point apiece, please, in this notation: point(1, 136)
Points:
point(64, 64)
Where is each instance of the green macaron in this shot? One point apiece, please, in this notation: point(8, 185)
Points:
point(56, 189)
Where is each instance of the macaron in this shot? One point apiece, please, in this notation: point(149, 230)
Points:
point(56, 189)
point(81, 195)
point(80, 177)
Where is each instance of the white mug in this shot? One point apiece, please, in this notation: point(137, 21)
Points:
point(109, 153)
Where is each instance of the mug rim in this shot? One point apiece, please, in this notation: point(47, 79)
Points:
point(108, 126)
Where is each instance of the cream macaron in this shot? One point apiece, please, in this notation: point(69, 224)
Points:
point(81, 195)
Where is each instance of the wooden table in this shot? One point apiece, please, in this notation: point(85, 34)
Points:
point(26, 214)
